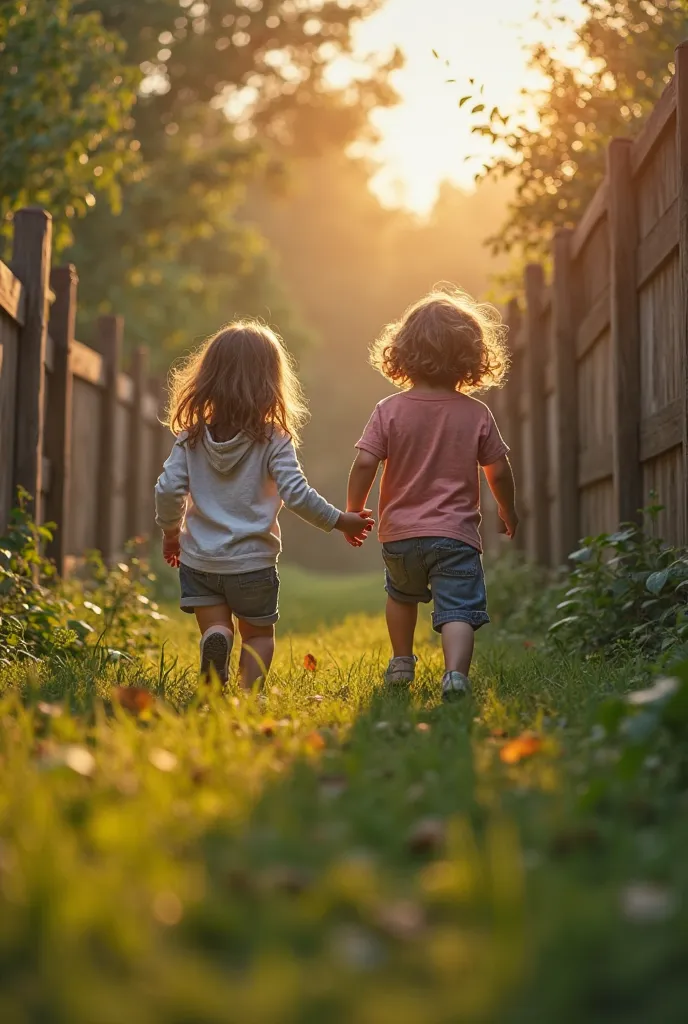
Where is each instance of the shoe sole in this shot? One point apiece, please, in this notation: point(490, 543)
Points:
point(451, 695)
point(215, 655)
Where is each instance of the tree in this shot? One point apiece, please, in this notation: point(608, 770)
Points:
point(65, 103)
point(231, 88)
point(622, 61)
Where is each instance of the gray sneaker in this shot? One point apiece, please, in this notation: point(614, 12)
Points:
point(216, 648)
point(455, 685)
point(401, 671)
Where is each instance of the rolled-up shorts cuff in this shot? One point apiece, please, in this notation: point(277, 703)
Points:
point(396, 595)
point(474, 619)
point(187, 604)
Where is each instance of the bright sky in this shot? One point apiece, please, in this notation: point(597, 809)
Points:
point(426, 138)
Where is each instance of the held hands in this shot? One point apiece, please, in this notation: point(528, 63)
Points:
point(508, 522)
point(170, 548)
point(355, 526)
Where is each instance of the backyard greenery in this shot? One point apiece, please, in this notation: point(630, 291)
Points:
point(337, 851)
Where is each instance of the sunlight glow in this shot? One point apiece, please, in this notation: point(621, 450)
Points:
point(426, 139)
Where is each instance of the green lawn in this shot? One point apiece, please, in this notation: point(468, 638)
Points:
point(339, 853)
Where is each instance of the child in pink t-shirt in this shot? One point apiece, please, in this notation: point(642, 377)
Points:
point(432, 439)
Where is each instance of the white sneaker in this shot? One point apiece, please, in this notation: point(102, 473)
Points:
point(401, 671)
point(216, 647)
point(455, 685)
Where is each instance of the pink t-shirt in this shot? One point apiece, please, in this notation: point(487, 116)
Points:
point(432, 446)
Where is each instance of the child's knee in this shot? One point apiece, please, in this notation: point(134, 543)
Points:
point(251, 631)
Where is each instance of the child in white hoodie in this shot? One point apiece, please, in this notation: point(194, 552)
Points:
point(236, 408)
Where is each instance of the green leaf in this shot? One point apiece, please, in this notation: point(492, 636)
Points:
point(656, 581)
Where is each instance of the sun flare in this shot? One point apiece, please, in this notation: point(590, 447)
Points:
point(427, 139)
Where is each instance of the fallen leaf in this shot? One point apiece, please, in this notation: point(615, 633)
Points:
point(403, 920)
point(647, 902)
point(314, 742)
point(50, 710)
point(573, 840)
point(422, 727)
point(163, 760)
point(134, 698)
point(426, 836)
point(332, 786)
point(310, 662)
point(284, 878)
point(268, 727)
point(522, 747)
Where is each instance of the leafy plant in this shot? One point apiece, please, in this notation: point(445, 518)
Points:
point(627, 590)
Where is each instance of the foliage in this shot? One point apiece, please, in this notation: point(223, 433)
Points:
point(231, 89)
point(66, 96)
point(42, 617)
point(627, 590)
point(621, 60)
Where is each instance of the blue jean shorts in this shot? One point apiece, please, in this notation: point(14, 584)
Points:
point(439, 569)
point(252, 596)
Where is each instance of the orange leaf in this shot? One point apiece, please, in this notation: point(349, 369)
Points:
point(520, 748)
point(310, 662)
point(268, 727)
point(314, 742)
point(133, 698)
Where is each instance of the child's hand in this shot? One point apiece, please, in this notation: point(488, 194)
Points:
point(508, 522)
point(355, 526)
point(170, 548)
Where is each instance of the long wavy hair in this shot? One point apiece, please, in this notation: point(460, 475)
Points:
point(241, 379)
point(447, 339)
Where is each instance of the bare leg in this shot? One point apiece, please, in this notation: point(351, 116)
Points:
point(217, 615)
point(257, 650)
point(458, 639)
point(401, 623)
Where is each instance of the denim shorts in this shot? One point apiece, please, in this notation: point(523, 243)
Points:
point(439, 569)
point(252, 596)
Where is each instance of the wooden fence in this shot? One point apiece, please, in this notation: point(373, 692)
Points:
point(78, 434)
point(596, 407)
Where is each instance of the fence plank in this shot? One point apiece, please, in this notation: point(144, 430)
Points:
point(12, 295)
point(625, 333)
point(682, 139)
point(566, 401)
point(536, 354)
point(31, 264)
point(58, 425)
point(110, 332)
point(511, 406)
point(135, 483)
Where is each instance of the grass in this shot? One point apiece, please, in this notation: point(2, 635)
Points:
point(337, 853)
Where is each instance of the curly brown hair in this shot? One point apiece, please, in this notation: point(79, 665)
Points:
point(447, 339)
point(241, 379)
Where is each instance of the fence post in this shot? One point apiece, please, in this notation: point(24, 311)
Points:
point(512, 408)
point(110, 331)
point(58, 421)
point(31, 264)
point(625, 334)
point(566, 400)
point(537, 438)
point(682, 140)
point(135, 483)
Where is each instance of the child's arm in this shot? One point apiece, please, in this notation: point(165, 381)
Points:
point(361, 479)
point(171, 492)
point(305, 502)
point(500, 479)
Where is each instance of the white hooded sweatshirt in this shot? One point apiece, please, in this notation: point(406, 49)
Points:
point(226, 497)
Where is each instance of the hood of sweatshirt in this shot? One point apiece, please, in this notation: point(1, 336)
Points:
point(225, 456)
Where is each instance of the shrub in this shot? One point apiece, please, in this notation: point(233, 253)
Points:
point(627, 590)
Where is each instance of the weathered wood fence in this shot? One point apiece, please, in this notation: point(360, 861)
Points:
point(82, 437)
point(596, 408)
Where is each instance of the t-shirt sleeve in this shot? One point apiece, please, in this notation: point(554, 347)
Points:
point(374, 439)
point(491, 446)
